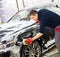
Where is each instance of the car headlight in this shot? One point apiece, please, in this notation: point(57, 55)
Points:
point(6, 45)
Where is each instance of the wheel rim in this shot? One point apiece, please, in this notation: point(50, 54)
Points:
point(32, 50)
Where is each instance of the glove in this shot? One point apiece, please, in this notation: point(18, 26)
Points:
point(27, 41)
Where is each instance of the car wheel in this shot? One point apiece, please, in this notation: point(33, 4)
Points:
point(7, 54)
point(32, 50)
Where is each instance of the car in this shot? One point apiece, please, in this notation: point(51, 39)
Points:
point(20, 27)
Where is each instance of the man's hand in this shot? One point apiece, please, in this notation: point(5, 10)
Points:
point(27, 41)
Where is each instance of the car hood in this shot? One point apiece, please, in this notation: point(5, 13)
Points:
point(8, 30)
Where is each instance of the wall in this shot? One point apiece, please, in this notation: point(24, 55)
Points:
point(8, 9)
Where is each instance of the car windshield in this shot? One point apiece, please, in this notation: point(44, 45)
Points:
point(21, 15)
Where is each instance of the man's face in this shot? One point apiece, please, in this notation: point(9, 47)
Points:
point(34, 17)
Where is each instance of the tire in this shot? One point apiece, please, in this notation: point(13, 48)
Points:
point(32, 50)
point(7, 54)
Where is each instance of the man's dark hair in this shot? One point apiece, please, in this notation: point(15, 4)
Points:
point(33, 12)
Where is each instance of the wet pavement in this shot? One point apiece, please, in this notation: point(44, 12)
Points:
point(52, 53)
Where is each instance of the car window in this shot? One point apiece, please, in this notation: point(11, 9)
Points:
point(22, 15)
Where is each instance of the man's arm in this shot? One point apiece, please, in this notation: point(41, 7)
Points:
point(38, 35)
point(29, 40)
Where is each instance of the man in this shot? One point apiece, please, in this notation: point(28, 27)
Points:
point(46, 18)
